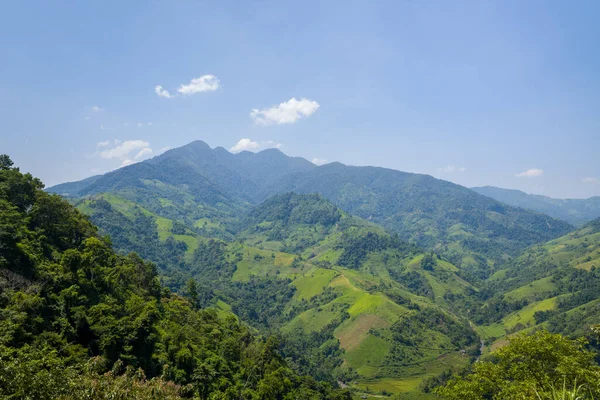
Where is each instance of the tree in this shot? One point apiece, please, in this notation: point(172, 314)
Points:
point(530, 367)
point(5, 162)
point(192, 292)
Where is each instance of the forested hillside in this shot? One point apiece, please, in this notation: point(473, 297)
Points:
point(575, 211)
point(378, 282)
point(287, 299)
point(203, 187)
point(80, 321)
point(555, 286)
point(473, 231)
point(334, 287)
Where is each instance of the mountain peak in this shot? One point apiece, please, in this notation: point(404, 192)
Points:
point(198, 144)
point(271, 150)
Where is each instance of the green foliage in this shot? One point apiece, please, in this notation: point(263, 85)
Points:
point(190, 211)
point(71, 308)
point(529, 367)
point(356, 245)
point(196, 183)
point(458, 222)
point(428, 262)
point(291, 209)
point(561, 271)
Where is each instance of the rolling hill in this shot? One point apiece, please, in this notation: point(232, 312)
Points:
point(79, 321)
point(473, 231)
point(575, 211)
point(365, 274)
point(379, 300)
point(195, 184)
point(555, 285)
point(334, 286)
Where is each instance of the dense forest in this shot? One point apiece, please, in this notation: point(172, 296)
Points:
point(193, 287)
point(81, 321)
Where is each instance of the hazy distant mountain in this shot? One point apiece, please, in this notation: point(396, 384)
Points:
point(195, 184)
point(574, 211)
point(69, 189)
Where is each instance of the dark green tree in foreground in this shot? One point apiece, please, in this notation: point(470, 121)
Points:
point(79, 321)
point(537, 367)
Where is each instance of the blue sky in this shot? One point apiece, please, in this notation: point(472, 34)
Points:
point(503, 93)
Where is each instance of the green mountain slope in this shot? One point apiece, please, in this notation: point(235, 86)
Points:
point(575, 211)
point(473, 231)
point(78, 320)
point(335, 286)
point(350, 301)
point(555, 285)
point(381, 301)
point(196, 184)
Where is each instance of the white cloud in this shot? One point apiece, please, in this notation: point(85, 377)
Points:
point(127, 152)
point(97, 109)
point(139, 124)
point(250, 145)
point(104, 143)
point(530, 173)
point(162, 92)
point(146, 151)
point(319, 161)
point(205, 83)
point(285, 113)
point(593, 181)
point(269, 144)
point(449, 169)
point(123, 149)
point(166, 148)
point(244, 144)
point(149, 124)
point(86, 118)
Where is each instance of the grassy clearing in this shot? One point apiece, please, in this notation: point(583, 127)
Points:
point(164, 227)
point(353, 331)
point(368, 356)
point(530, 291)
point(261, 262)
point(498, 275)
point(493, 331)
point(378, 304)
point(314, 320)
point(525, 315)
point(191, 242)
point(410, 382)
point(312, 284)
point(85, 207)
point(205, 223)
point(125, 207)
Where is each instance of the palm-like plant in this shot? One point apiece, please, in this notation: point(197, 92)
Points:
point(576, 393)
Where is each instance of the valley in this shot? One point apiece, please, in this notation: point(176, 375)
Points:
point(381, 280)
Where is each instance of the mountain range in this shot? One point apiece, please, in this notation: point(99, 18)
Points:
point(196, 183)
point(380, 280)
point(575, 211)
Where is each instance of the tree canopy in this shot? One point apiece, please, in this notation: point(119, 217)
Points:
point(78, 320)
point(533, 366)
